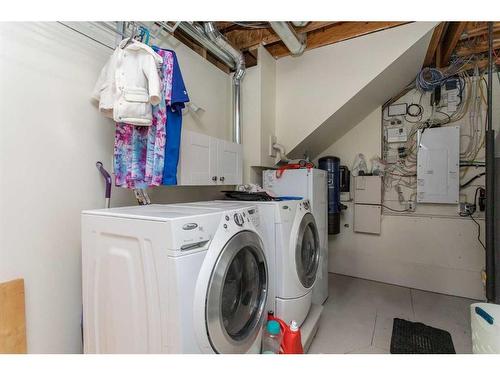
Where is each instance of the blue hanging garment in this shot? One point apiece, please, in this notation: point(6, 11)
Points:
point(179, 97)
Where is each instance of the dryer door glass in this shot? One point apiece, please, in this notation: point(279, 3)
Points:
point(307, 251)
point(237, 294)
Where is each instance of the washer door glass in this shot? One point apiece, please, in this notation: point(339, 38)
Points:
point(236, 294)
point(307, 251)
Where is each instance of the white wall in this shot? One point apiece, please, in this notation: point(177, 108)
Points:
point(251, 125)
point(258, 115)
point(365, 136)
point(208, 87)
point(313, 87)
point(50, 140)
point(268, 105)
point(433, 249)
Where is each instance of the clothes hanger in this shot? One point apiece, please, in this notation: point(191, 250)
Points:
point(144, 35)
point(131, 38)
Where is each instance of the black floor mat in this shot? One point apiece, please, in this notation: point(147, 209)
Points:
point(417, 338)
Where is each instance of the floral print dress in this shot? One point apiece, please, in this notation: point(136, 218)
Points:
point(140, 150)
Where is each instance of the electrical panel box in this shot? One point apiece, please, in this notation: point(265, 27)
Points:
point(368, 190)
point(438, 163)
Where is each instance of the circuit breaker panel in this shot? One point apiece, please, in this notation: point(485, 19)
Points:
point(438, 163)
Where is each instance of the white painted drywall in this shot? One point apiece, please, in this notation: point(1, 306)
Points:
point(268, 105)
point(312, 87)
point(365, 137)
point(208, 87)
point(258, 115)
point(427, 251)
point(50, 140)
point(251, 125)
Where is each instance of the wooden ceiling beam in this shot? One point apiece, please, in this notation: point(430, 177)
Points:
point(478, 48)
point(450, 40)
point(338, 32)
point(434, 43)
point(249, 38)
point(481, 64)
point(222, 26)
point(186, 39)
point(475, 31)
point(251, 57)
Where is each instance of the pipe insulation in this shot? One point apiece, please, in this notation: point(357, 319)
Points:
point(218, 39)
point(492, 277)
point(296, 43)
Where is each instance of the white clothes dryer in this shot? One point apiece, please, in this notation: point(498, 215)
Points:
point(292, 247)
point(173, 279)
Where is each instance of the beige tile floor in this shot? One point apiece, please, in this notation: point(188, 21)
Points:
point(358, 316)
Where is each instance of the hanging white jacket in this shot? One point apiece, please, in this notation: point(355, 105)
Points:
point(129, 84)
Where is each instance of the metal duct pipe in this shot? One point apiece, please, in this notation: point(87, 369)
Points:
point(299, 23)
point(296, 43)
point(492, 293)
point(237, 56)
point(196, 32)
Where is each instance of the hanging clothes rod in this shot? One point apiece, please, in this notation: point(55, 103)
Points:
point(114, 28)
point(85, 35)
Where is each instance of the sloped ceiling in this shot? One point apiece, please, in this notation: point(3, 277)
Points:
point(322, 97)
point(377, 92)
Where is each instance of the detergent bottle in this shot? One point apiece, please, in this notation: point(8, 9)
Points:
point(292, 341)
point(271, 338)
point(270, 315)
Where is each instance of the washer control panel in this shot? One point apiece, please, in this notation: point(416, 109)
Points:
point(238, 219)
point(241, 218)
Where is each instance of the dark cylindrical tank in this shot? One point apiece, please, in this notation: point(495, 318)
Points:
point(331, 164)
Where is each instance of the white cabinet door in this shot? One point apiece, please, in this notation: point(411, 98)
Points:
point(198, 160)
point(229, 162)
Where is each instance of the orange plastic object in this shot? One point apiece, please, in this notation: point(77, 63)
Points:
point(283, 168)
point(292, 340)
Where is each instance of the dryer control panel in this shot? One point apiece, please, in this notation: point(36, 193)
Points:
point(242, 218)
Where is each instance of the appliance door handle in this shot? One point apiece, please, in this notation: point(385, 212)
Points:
point(193, 246)
point(483, 314)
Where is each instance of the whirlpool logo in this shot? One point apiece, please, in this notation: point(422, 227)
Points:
point(190, 226)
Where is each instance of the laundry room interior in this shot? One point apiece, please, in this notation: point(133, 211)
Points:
point(250, 187)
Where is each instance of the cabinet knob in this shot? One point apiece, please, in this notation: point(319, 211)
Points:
point(214, 178)
point(222, 179)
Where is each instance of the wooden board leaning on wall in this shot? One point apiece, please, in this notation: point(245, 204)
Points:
point(12, 317)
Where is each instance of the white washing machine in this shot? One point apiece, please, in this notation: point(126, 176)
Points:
point(292, 247)
point(173, 279)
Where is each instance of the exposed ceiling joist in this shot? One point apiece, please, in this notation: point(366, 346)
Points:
point(475, 29)
point(248, 38)
point(223, 26)
point(338, 32)
point(434, 44)
point(481, 64)
point(480, 47)
point(461, 39)
point(450, 40)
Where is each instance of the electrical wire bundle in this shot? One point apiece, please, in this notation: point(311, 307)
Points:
point(469, 111)
point(428, 79)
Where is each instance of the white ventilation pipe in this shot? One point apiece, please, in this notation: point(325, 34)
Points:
point(217, 38)
point(296, 43)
